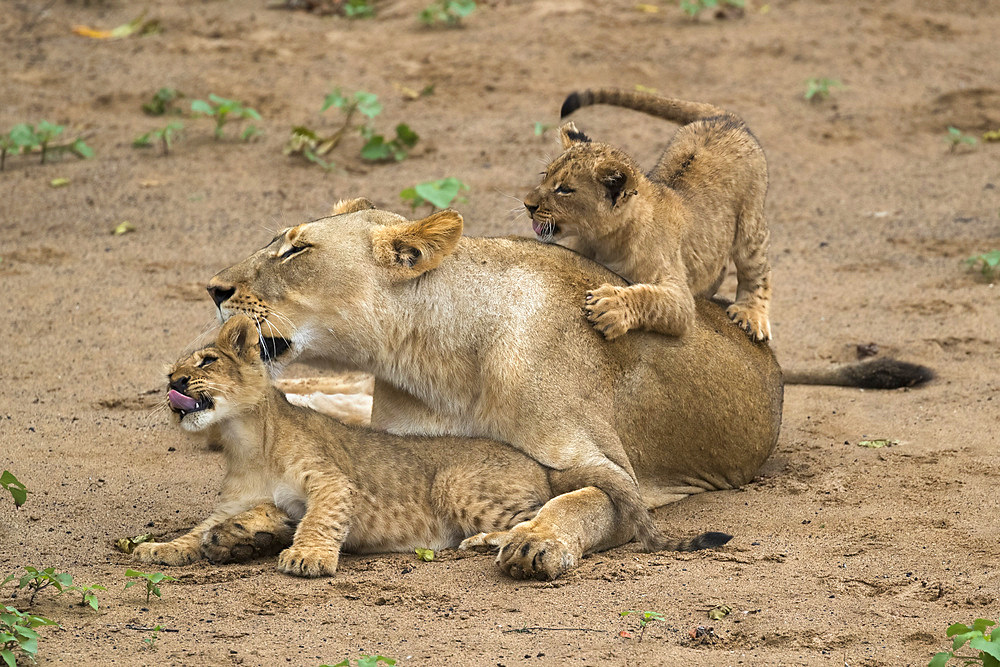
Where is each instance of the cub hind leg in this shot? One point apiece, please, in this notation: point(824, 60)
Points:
point(753, 271)
point(262, 531)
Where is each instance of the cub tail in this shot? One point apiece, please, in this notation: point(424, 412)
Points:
point(674, 110)
point(878, 374)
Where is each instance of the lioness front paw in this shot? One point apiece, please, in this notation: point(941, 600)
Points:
point(606, 310)
point(166, 553)
point(527, 551)
point(308, 561)
point(751, 319)
point(262, 531)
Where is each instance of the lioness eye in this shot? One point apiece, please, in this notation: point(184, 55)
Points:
point(564, 190)
point(294, 250)
point(206, 360)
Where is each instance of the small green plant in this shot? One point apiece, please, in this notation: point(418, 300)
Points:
point(17, 633)
point(223, 110)
point(647, 618)
point(440, 193)
point(26, 138)
point(37, 580)
point(979, 638)
point(359, 9)
point(14, 487)
point(364, 661)
point(166, 136)
point(314, 147)
point(426, 555)
point(694, 7)
point(89, 596)
point(446, 12)
point(162, 102)
point(819, 88)
point(154, 635)
point(956, 138)
point(987, 263)
point(151, 581)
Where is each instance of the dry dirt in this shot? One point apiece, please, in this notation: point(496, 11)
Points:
point(841, 555)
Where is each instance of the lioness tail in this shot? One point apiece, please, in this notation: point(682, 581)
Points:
point(704, 541)
point(677, 111)
point(877, 374)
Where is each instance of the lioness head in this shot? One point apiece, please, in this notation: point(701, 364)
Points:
point(318, 285)
point(220, 380)
point(585, 192)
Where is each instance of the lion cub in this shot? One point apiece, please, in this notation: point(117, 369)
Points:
point(670, 232)
point(347, 487)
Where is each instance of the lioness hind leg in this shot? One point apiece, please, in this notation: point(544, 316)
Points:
point(262, 531)
point(753, 271)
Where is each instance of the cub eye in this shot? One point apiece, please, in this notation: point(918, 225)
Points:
point(564, 190)
point(294, 250)
point(207, 360)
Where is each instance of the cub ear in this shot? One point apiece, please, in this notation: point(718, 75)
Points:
point(418, 246)
point(615, 178)
point(351, 206)
point(569, 134)
point(239, 338)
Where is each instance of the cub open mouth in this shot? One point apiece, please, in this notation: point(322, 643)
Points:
point(272, 348)
point(544, 230)
point(184, 405)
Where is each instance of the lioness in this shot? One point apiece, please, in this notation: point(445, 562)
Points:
point(671, 232)
point(350, 488)
point(485, 338)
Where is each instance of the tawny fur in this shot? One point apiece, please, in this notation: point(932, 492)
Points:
point(492, 343)
point(356, 489)
point(670, 232)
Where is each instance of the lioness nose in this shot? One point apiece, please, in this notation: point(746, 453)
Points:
point(220, 293)
point(531, 209)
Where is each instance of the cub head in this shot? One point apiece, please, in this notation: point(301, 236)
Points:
point(585, 192)
point(221, 380)
point(319, 287)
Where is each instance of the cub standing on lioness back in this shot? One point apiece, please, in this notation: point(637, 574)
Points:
point(347, 487)
point(671, 232)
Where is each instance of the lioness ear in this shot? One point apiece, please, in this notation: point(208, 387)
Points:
point(351, 206)
point(571, 135)
point(615, 179)
point(418, 246)
point(239, 338)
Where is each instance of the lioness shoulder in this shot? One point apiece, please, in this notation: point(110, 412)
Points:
point(670, 232)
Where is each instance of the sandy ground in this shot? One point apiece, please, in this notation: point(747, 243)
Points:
point(841, 555)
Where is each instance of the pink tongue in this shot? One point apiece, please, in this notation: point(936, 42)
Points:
point(537, 226)
point(180, 401)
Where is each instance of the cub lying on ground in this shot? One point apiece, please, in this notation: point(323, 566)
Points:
point(347, 487)
point(671, 232)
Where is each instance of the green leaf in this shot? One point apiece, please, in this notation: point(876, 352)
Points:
point(130, 584)
point(47, 131)
point(23, 135)
point(426, 555)
point(368, 103)
point(82, 149)
point(987, 647)
point(408, 137)
point(201, 106)
point(983, 624)
point(334, 99)
point(143, 141)
point(440, 193)
point(8, 657)
point(955, 629)
point(376, 149)
point(958, 640)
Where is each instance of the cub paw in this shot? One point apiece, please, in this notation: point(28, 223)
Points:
point(527, 551)
point(308, 561)
point(751, 319)
point(165, 553)
point(256, 533)
point(606, 309)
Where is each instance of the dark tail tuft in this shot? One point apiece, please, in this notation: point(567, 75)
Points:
point(887, 374)
point(704, 541)
point(572, 103)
